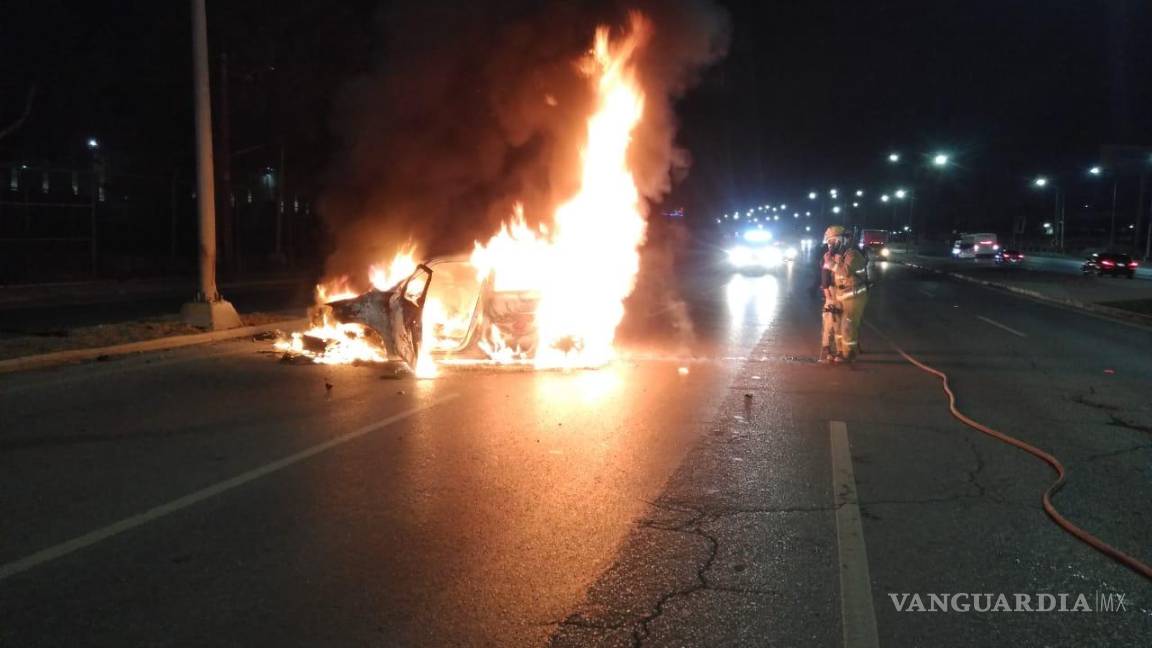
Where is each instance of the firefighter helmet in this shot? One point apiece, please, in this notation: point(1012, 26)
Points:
point(833, 231)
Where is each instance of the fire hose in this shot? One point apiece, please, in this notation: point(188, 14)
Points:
point(1077, 532)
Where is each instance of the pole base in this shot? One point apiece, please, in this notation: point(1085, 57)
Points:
point(213, 316)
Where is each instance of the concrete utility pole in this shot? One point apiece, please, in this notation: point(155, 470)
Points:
point(208, 310)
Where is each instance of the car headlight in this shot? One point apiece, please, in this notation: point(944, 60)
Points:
point(773, 256)
point(884, 252)
point(740, 256)
point(790, 253)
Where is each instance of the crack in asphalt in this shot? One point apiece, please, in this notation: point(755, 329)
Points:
point(692, 525)
point(1116, 453)
point(1116, 421)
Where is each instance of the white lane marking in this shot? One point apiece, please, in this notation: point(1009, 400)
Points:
point(1001, 326)
point(140, 519)
point(927, 293)
point(858, 615)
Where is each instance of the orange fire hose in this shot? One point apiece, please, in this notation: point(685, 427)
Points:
point(1080, 534)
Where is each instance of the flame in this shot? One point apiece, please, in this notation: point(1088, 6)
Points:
point(576, 270)
point(383, 276)
point(585, 265)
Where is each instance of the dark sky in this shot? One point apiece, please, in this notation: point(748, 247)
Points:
point(811, 94)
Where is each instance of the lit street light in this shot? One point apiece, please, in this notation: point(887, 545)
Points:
point(900, 193)
point(92, 143)
point(836, 209)
point(811, 195)
point(940, 159)
point(859, 193)
point(885, 198)
point(893, 158)
point(1097, 171)
point(1058, 205)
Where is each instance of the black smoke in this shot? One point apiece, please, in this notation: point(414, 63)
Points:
point(472, 107)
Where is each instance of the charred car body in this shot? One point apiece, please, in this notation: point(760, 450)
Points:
point(447, 307)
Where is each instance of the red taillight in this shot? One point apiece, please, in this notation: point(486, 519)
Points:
point(1107, 263)
point(1020, 256)
point(985, 242)
point(1133, 264)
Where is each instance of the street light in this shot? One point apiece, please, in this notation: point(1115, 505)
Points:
point(885, 198)
point(855, 204)
point(836, 209)
point(893, 158)
point(92, 143)
point(811, 195)
point(859, 193)
point(1097, 171)
point(900, 194)
point(1058, 207)
point(832, 192)
point(940, 159)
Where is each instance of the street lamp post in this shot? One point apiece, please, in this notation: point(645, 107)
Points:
point(1097, 172)
point(208, 309)
point(1058, 206)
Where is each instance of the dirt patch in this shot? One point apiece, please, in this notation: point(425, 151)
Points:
point(103, 335)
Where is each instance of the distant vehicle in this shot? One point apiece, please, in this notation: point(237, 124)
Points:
point(874, 242)
point(757, 252)
point(1110, 263)
point(975, 246)
point(1011, 257)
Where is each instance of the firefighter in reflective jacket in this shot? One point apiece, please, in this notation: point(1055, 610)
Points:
point(829, 317)
point(848, 292)
point(850, 279)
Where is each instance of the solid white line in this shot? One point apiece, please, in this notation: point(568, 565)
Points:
point(1001, 326)
point(140, 519)
point(857, 612)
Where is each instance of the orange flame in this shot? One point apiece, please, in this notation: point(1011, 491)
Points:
point(586, 266)
point(580, 268)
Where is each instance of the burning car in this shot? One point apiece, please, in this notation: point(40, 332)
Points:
point(444, 311)
point(547, 291)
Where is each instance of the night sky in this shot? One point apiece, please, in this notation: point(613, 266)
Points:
point(811, 94)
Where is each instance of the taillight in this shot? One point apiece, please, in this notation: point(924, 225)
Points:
point(1107, 263)
point(1133, 264)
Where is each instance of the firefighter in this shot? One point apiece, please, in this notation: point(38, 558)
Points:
point(850, 288)
point(829, 347)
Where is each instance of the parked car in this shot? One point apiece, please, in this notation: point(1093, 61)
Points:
point(1110, 263)
point(1011, 257)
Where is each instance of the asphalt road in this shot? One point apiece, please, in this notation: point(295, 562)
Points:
point(214, 496)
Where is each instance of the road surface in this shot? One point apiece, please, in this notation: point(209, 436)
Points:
point(215, 496)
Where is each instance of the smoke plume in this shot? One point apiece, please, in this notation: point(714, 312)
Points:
point(475, 106)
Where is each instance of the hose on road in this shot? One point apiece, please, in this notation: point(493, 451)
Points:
point(1079, 533)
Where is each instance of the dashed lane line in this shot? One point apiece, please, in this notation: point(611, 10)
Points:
point(858, 615)
point(127, 524)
